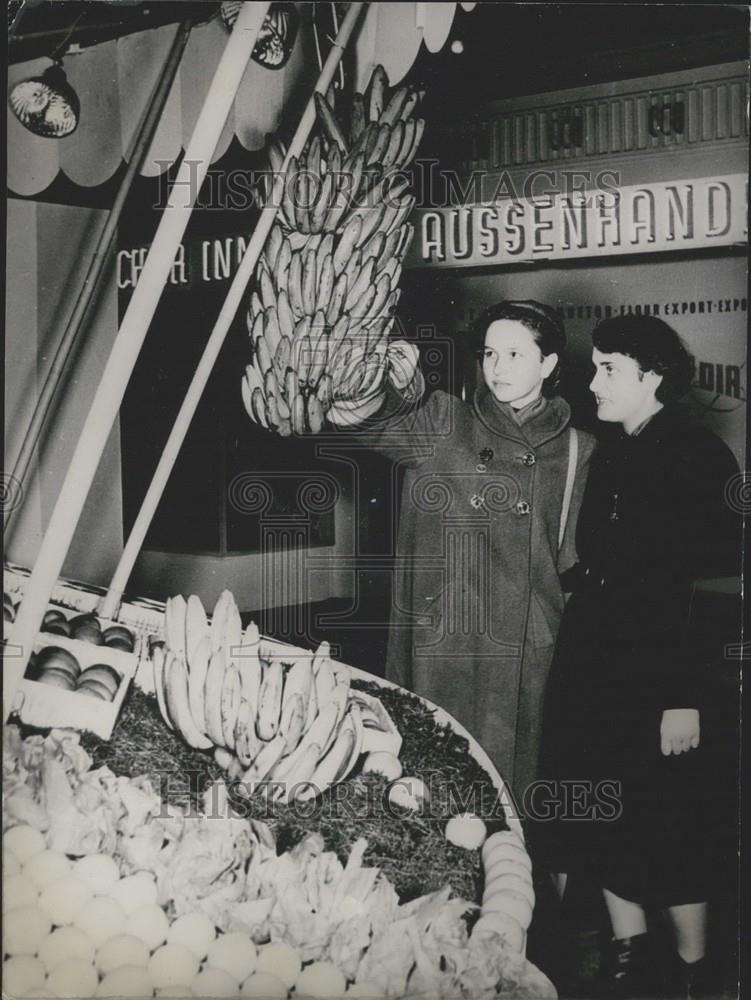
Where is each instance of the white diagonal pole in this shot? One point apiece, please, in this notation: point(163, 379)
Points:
point(128, 343)
point(111, 601)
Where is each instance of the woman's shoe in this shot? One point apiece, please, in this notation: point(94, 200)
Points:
point(629, 970)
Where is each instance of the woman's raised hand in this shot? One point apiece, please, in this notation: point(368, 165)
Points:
point(679, 730)
point(403, 359)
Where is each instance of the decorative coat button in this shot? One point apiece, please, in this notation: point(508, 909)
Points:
point(482, 468)
point(523, 508)
point(529, 458)
point(486, 454)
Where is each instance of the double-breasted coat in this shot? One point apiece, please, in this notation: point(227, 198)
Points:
point(657, 514)
point(477, 598)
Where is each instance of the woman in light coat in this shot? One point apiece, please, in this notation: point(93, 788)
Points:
point(484, 532)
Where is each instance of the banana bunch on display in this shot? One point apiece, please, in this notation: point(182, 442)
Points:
point(326, 284)
point(287, 723)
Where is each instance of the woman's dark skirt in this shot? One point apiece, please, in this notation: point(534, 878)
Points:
point(633, 819)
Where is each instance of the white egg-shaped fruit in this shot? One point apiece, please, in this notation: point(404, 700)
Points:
point(513, 904)
point(47, 867)
point(127, 981)
point(466, 830)
point(264, 986)
point(171, 964)
point(18, 890)
point(73, 977)
point(383, 762)
point(409, 793)
point(506, 837)
point(98, 871)
point(235, 953)
point(24, 930)
point(150, 924)
point(11, 864)
point(66, 942)
point(195, 931)
point(64, 899)
point(123, 949)
point(281, 960)
point(21, 974)
point(23, 841)
point(365, 990)
point(321, 979)
point(211, 982)
point(101, 919)
point(134, 891)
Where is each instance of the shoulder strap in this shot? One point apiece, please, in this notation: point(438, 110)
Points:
point(573, 456)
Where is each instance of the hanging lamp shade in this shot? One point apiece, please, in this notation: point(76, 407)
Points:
point(46, 105)
point(276, 39)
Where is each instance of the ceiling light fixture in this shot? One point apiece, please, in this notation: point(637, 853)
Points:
point(46, 105)
point(276, 39)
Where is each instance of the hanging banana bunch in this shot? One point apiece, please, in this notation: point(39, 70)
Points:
point(292, 729)
point(326, 284)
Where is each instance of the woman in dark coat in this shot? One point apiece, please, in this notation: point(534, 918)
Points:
point(477, 598)
point(625, 693)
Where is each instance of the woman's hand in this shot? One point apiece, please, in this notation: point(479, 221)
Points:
point(679, 730)
point(402, 361)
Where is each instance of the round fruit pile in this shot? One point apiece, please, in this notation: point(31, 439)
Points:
point(80, 929)
point(59, 667)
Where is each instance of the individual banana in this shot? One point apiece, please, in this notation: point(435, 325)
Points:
point(303, 358)
point(249, 664)
point(297, 414)
point(174, 624)
point(358, 119)
point(178, 705)
point(263, 356)
point(284, 315)
point(246, 742)
point(336, 302)
point(376, 93)
point(325, 682)
point(321, 655)
point(159, 655)
point(302, 201)
point(363, 282)
point(232, 631)
point(293, 771)
point(294, 286)
point(230, 704)
point(282, 356)
point(313, 157)
point(312, 713)
point(288, 193)
point(264, 761)
point(273, 246)
point(281, 271)
point(325, 284)
point(315, 411)
point(309, 283)
point(270, 700)
point(212, 697)
point(323, 202)
point(393, 110)
point(362, 307)
point(340, 759)
point(198, 666)
point(258, 406)
point(348, 241)
point(376, 153)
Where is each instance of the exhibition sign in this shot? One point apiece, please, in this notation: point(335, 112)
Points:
point(672, 215)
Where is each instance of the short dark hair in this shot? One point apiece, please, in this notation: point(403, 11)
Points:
point(542, 322)
point(654, 346)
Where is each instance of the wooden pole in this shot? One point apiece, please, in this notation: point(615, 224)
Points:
point(101, 254)
point(111, 601)
point(128, 343)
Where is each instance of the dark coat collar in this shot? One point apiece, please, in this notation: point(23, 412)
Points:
point(549, 423)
